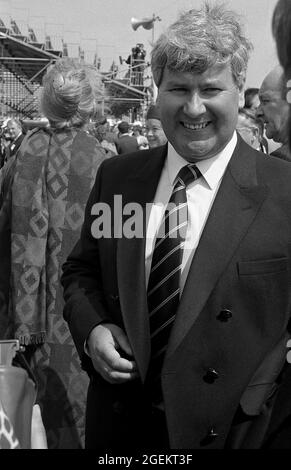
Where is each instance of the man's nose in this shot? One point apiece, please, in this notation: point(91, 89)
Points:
point(195, 106)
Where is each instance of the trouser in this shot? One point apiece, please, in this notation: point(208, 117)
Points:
point(120, 416)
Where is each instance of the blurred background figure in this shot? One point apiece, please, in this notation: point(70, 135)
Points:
point(252, 100)
point(138, 134)
point(281, 26)
point(274, 110)
point(251, 129)
point(279, 430)
point(40, 222)
point(154, 129)
point(137, 62)
point(100, 130)
point(5, 140)
point(125, 143)
point(14, 135)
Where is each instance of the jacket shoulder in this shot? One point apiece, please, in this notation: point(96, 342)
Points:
point(135, 159)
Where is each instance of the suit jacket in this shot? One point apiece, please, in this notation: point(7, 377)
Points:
point(234, 310)
point(13, 147)
point(126, 144)
point(282, 152)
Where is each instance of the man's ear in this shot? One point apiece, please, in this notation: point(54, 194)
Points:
point(241, 99)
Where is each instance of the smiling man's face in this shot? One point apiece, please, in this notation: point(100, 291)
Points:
point(199, 111)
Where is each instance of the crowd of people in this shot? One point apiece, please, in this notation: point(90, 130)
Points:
point(162, 322)
point(120, 137)
point(109, 133)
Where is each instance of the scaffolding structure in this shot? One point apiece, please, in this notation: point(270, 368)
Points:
point(24, 60)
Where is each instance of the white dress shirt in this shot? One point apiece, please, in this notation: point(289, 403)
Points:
point(200, 196)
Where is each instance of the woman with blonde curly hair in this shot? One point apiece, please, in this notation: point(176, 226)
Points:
point(45, 192)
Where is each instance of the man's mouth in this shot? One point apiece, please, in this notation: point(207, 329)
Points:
point(195, 127)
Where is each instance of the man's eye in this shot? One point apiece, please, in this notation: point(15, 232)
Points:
point(175, 89)
point(212, 90)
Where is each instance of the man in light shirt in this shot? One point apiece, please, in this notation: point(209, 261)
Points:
point(226, 345)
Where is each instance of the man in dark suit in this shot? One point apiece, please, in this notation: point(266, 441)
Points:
point(274, 110)
point(183, 332)
point(125, 143)
point(15, 129)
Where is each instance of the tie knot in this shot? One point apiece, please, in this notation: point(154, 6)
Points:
point(187, 174)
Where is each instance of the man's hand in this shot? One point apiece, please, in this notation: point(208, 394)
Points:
point(107, 345)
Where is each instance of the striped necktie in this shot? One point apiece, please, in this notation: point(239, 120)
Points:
point(164, 281)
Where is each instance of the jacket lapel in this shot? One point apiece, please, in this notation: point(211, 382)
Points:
point(140, 187)
point(237, 202)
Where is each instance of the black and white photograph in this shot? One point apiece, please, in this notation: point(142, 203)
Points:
point(138, 136)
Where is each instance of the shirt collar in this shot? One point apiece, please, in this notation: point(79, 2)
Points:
point(211, 169)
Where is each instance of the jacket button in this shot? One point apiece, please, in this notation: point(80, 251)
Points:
point(118, 407)
point(209, 438)
point(211, 375)
point(212, 434)
point(224, 315)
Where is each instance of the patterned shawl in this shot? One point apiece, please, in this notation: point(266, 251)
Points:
point(55, 171)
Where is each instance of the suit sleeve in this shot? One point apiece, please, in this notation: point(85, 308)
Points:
point(84, 303)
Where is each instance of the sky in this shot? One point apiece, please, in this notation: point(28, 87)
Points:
point(104, 26)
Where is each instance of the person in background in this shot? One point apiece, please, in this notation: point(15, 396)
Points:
point(281, 26)
point(252, 100)
point(184, 331)
point(109, 138)
point(251, 104)
point(251, 129)
point(100, 131)
point(40, 221)
point(274, 110)
point(14, 128)
point(137, 133)
point(154, 129)
point(278, 435)
point(5, 140)
point(125, 143)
